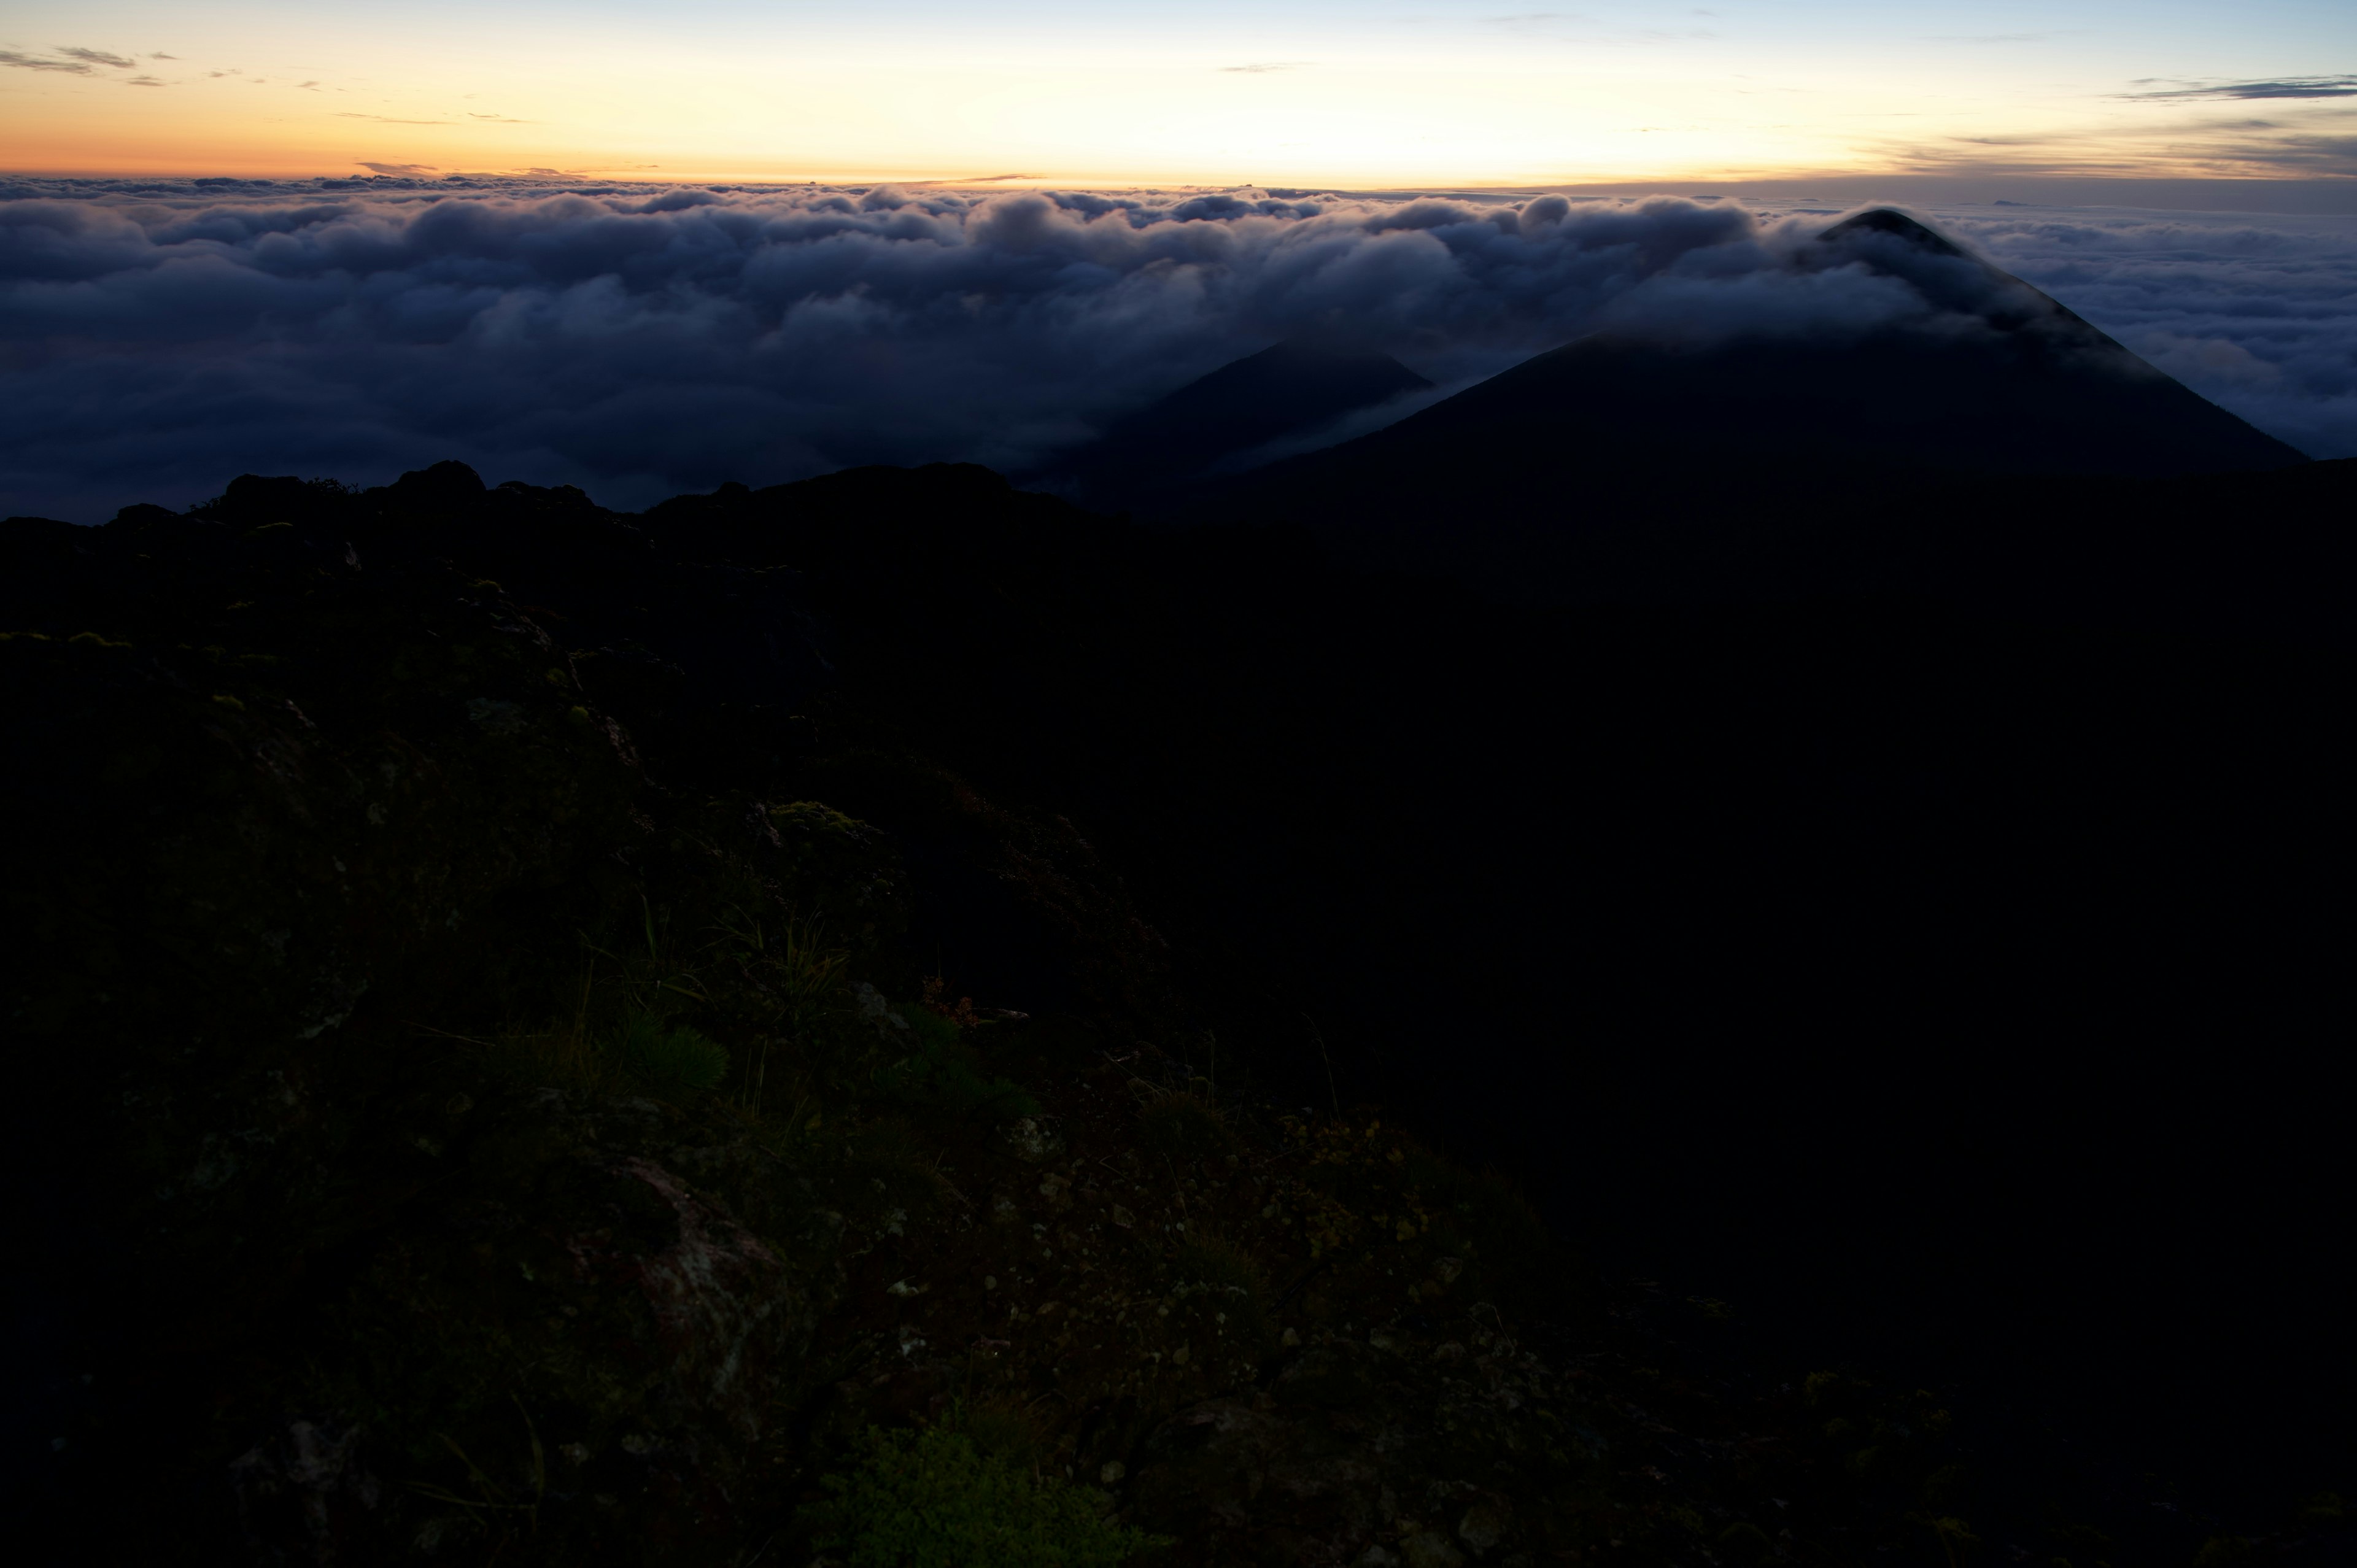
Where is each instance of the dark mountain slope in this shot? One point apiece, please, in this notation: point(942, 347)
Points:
point(1687, 446)
point(1958, 992)
point(456, 1110)
point(1291, 387)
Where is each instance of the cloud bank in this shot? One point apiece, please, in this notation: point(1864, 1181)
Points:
point(2258, 315)
point(157, 338)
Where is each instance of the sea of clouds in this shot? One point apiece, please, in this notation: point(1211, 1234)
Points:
point(157, 338)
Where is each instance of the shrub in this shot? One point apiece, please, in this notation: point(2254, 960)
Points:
point(1215, 1262)
point(1226, 1272)
point(944, 1072)
point(1485, 1218)
point(2221, 1550)
point(1181, 1124)
point(936, 1002)
point(672, 1057)
point(929, 1499)
point(1744, 1542)
point(783, 985)
point(1004, 1429)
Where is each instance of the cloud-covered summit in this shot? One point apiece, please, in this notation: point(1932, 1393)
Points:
point(640, 341)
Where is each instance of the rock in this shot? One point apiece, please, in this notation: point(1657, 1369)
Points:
point(1484, 1525)
point(1425, 1549)
point(1029, 1140)
point(881, 1015)
point(297, 1486)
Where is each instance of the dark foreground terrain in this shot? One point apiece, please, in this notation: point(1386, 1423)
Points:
point(535, 1029)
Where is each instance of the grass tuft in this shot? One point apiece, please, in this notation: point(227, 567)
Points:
point(1181, 1124)
point(1225, 1272)
point(944, 1073)
point(670, 1058)
point(931, 1497)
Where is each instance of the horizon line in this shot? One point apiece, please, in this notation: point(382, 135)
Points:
point(2292, 195)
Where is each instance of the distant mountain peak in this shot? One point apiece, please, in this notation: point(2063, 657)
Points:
point(1618, 433)
point(1897, 225)
point(1288, 388)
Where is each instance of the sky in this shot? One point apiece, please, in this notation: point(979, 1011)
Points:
point(1367, 93)
point(645, 249)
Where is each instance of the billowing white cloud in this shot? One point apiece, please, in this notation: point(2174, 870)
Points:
point(161, 337)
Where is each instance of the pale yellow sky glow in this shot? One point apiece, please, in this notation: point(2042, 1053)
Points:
point(1295, 92)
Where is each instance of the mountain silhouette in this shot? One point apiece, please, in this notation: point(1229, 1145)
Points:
point(1624, 435)
point(1289, 388)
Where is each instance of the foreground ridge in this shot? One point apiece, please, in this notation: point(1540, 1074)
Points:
point(478, 969)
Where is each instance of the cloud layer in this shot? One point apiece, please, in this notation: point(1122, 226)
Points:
point(155, 339)
point(2258, 315)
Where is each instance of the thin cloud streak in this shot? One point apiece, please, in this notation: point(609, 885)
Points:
point(97, 57)
point(22, 61)
point(2292, 87)
point(2307, 142)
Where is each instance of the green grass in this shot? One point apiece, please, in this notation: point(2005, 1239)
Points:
point(1211, 1263)
point(944, 1073)
point(929, 1498)
point(671, 1058)
point(1180, 1124)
